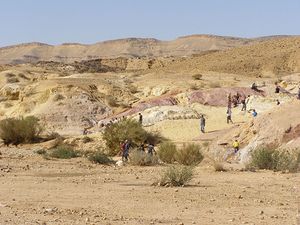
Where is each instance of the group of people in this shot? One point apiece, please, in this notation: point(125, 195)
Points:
point(233, 101)
point(144, 147)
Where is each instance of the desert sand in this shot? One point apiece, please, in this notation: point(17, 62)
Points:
point(171, 83)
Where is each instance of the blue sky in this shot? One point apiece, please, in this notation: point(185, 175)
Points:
point(90, 21)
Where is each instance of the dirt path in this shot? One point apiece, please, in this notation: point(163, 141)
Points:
point(78, 192)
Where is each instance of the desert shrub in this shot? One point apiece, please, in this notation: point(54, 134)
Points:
point(126, 129)
point(264, 158)
point(153, 137)
point(17, 131)
point(274, 159)
point(99, 158)
point(133, 89)
point(86, 139)
point(41, 152)
point(167, 151)
point(197, 76)
point(111, 101)
point(12, 80)
point(63, 152)
point(176, 176)
point(141, 158)
point(189, 155)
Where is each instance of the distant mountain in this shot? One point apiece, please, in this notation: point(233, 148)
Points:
point(129, 47)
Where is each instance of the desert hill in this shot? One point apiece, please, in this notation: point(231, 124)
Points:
point(130, 47)
point(275, 56)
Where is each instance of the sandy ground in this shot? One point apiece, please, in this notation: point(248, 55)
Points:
point(38, 191)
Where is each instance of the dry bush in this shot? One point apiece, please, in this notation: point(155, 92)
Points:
point(100, 158)
point(176, 176)
point(16, 131)
point(133, 89)
point(167, 151)
point(12, 80)
point(189, 155)
point(111, 101)
point(141, 158)
point(274, 159)
point(127, 129)
point(197, 76)
point(63, 152)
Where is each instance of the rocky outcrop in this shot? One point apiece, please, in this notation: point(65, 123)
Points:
point(218, 96)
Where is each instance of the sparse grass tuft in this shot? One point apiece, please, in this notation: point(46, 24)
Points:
point(100, 158)
point(189, 155)
point(167, 151)
point(63, 152)
point(176, 176)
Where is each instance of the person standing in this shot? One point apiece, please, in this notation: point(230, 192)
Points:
point(254, 113)
point(299, 93)
point(150, 149)
point(229, 115)
point(244, 105)
point(126, 150)
point(140, 118)
point(236, 146)
point(202, 124)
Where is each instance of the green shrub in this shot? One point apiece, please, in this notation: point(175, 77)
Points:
point(264, 158)
point(128, 129)
point(141, 158)
point(176, 176)
point(189, 155)
point(166, 152)
point(17, 131)
point(100, 158)
point(274, 159)
point(63, 152)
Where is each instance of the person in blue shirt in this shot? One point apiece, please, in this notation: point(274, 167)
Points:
point(254, 113)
